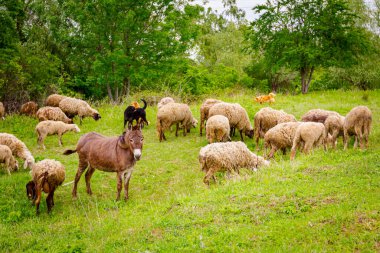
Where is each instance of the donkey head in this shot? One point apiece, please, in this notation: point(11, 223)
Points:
point(132, 139)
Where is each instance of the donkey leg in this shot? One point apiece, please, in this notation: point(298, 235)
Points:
point(88, 176)
point(81, 168)
point(127, 177)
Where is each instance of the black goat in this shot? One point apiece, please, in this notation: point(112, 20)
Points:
point(131, 113)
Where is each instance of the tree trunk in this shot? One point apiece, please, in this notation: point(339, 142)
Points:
point(306, 75)
point(109, 91)
point(126, 86)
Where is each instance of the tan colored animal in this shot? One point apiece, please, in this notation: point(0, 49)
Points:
point(50, 127)
point(358, 123)
point(266, 98)
point(30, 108)
point(7, 158)
point(54, 100)
point(47, 175)
point(52, 113)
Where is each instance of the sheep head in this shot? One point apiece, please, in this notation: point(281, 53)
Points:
point(132, 139)
point(249, 133)
point(96, 116)
point(31, 190)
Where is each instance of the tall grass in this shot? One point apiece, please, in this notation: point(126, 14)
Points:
point(326, 201)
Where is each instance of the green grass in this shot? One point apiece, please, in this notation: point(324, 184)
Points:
point(323, 202)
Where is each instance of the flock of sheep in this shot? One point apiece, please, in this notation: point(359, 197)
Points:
point(55, 118)
point(280, 131)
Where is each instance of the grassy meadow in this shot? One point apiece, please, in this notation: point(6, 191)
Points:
point(323, 202)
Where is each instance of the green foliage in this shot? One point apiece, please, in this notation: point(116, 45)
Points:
point(305, 35)
point(324, 201)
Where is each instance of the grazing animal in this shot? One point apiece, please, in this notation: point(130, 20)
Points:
point(174, 113)
point(317, 115)
point(218, 129)
point(54, 100)
point(52, 113)
point(73, 106)
point(334, 128)
point(132, 113)
point(310, 134)
point(18, 148)
point(267, 118)
point(164, 101)
point(204, 111)
point(7, 158)
point(227, 156)
point(358, 123)
point(237, 116)
point(110, 154)
point(47, 176)
point(280, 137)
point(30, 108)
point(2, 111)
point(266, 98)
point(50, 127)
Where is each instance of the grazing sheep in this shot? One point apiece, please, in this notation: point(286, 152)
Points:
point(18, 148)
point(50, 127)
point(164, 101)
point(280, 137)
point(358, 123)
point(110, 154)
point(227, 156)
point(237, 116)
point(317, 115)
point(7, 158)
point(334, 128)
point(52, 113)
point(47, 175)
point(218, 129)
point(2, 111)
point(174, 113)
point(267, 118)
point(310, 134)
point(204, 111)
point(30, 108)
point(73, 106)
point(54, 100)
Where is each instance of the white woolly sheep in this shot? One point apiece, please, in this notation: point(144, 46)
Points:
point(309, 134)
point(7, 158)
point(50, 127)
point(227, 156)
point(317, 115)
point(29, 108)
point(280, 137)
point(334, 128)
point(52, 113)
point(174, 113)
point(2, 111)
point(358, 123)
point(47, 176)
point(164, 101)
point(237, 116)
point(73, 106)
point(204, 111)
point(18, 148)
point(54, 100)
point(218, 129)
point(267, 118)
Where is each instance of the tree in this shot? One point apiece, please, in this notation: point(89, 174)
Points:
point(306, 34)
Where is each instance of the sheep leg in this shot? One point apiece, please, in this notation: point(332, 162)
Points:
point(88, 176)
point(40, 141)
point(7, 165)
point(308, 146)
point(38, 198)
point(49, 200)
point(60, 140)
point(127, 177)
point(176, 129)
point(81, 168)
point(209, 174)
point(80, 120)
point(119, 184)
point(359, 134)
point(241, 135)
point(356, 141)
point(345, 138)
point(272, 151)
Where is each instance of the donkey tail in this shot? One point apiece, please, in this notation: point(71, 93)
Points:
point(69, 151)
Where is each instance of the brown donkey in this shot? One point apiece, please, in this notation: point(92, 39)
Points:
point(110, 154)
